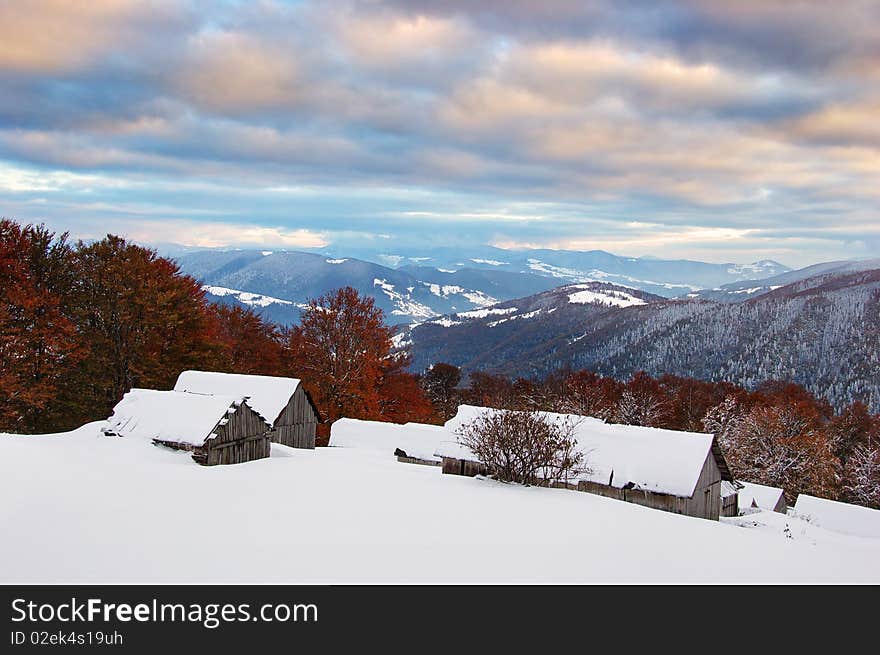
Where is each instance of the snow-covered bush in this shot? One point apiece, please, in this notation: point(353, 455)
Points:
point(524, 447)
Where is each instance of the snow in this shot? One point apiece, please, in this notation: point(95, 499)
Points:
point(652, 459)
point(489, 262)
point(267, 395)
point(188, 418)
point(555, 271)
point(79, 508)
point(839, 517)
point(245, 297)
point(614, 298)
point(336, 261)
point(483, 313)
point(399, 340)
point(444, 322)
point(406, 306)
point(446, 270)
point(415, 439)
point(527, 315)
point(761, 495)
point(265, 253)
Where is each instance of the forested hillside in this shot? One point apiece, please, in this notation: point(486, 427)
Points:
point(823, 332)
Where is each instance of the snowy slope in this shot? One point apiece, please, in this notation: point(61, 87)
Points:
point(82, 508)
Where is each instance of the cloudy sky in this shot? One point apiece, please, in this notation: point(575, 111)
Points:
point(723, 131)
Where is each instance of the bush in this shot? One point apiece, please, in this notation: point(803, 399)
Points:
point(524, 447)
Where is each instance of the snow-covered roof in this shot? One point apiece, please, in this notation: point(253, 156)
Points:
point(175, 416)
point(758, 495)
point(839, 517)
point(267, 395)
point(418, 440)
point(665, 461)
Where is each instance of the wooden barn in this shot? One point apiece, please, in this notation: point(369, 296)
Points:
point(678, 472)
point(282, 401)
point(730, 497)
point(754, 496)
point(215, 429)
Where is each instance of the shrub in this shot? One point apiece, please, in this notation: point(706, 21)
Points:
point(524, 447)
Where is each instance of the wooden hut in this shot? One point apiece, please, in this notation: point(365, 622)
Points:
point(754, 496)
point(215, 429)
point(678, 472)
point(730, 497)
point(282, 401)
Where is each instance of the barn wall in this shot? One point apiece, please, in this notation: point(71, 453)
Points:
point(706, 501)
point(730, 505)
point(297, 423)
point(464, 467)
point(244, 438)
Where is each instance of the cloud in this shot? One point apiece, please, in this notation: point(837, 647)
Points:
point(481, 120)
point(56, 36)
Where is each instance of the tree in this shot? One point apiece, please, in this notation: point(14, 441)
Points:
point(143, 320)
point(523, 447)
point(849, 430)
point(249, 344)
point(642, 402)
point(782, 445)
point(589, 394)
point(340, 350)
point(401, 397)
point(39, 344)
point(862, 479)
point(440, 383)
point(488, 390)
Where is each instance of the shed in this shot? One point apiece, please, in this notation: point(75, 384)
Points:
point(839, 517)
point(215, 429)
point(679, 472)
point(730, 497)
point(284, 402)
point(759, 496)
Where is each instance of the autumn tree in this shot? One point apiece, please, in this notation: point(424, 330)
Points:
point(401, 397)
point(488, 390)
point(849, 430)
point(39, 344)
point(589, 394)
point(143, 320)
point(340, 350)
point(642, 402)
point(783, 444)
point(249, 344)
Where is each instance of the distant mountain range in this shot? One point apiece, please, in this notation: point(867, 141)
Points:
point(822, 331)
point(420, 285)
point(530, 312)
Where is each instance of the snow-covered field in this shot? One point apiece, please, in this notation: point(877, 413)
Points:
point(81, 507)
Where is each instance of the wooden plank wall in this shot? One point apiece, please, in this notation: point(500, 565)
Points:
point(705, 503)
point(244, 438)
point(297, 423)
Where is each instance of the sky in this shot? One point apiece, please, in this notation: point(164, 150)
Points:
point(719, 131)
